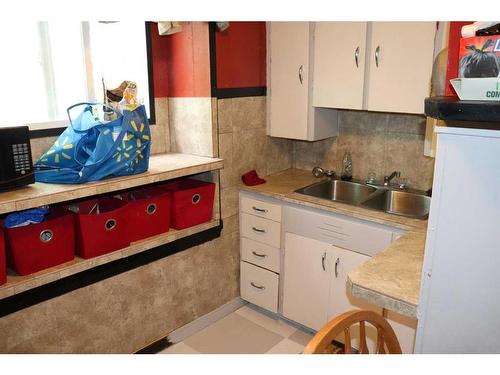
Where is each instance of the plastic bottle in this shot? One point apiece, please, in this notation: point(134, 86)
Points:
point(346, 167)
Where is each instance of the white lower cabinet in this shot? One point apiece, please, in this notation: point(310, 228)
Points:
point(341, 300)
point(304, 254)
point(306, 281)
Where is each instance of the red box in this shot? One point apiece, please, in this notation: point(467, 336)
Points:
point(3, 265)
point(34, 247)
point(102, 227)
point(192, 202)
point(149, 212)
point(479, 57)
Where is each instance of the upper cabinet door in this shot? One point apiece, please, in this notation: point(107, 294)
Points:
point(400, 65)
point(339, 64)
point(288, 79)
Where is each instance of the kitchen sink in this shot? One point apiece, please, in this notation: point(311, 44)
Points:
point(400, 203)
point(380, 198)
point(338, 190)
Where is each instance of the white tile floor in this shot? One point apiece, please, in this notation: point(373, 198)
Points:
point(245, 331)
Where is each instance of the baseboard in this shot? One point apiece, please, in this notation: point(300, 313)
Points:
point(204, 321)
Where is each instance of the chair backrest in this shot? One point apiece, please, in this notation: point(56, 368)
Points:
point(386, 337)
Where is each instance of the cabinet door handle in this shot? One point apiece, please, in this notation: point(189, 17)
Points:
point(323, 261)
point(301, 71)
point(356, 57)
point(259, 255)
point(259, 209)
point(258, 230)
point(261, 287)
point(377, 55)
point(337, 267)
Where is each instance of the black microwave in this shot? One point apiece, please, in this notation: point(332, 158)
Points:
point(16, 165)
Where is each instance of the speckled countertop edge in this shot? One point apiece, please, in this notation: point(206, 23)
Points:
point(390, 279)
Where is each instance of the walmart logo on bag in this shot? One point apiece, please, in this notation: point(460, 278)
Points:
point(128, 147)
point(58, 150)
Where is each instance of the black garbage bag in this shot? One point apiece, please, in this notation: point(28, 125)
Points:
point(479, 63)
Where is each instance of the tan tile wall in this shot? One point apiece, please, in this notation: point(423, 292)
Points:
point(378, 142)
point(191, 127)
point(244, 145)
point(129, 311)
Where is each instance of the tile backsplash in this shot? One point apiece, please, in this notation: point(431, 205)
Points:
point(378, 142)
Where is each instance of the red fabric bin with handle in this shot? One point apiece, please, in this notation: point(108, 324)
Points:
point(102, 227)
point(34, 247)
point(149, 212)
point(192, 202)
point(3, 263)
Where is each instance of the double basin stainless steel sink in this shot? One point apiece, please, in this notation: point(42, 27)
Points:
point(380, 198)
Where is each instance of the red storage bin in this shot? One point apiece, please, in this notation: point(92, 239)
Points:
point(101, 226)
point(3, 265)
point(149, 212)
point(34, 247)
point(192, 202)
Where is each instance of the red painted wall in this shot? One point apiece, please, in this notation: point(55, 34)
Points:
point(159, 56)
point(181, 61)
point(241, 55)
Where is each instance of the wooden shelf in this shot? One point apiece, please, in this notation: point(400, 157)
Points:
point(450, 108)
point(161, 168)
point(18, 284)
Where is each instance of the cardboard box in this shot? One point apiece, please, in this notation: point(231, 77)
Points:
point(479, 57)
point(477, 88)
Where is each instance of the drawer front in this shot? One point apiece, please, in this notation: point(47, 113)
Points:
point(259, 286)
point(260, 208)
point(362, 238)
point(260, 230)
point(260, 254)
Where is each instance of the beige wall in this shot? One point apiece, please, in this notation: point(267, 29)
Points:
point(378, 142)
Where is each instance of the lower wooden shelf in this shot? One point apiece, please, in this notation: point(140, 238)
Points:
point(18, 284)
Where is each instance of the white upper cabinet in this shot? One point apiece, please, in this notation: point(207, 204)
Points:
point(375, 66)
point(290, 111)
point(399, 66)
point(339, 64)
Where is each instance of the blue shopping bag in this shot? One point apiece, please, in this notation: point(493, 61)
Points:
point(91, 150)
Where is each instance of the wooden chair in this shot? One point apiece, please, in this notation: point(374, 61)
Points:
point(386, 337)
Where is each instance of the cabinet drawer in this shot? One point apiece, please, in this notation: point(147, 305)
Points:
point(260, 254)
point(260, 208)
point(363, 238)
point(259, 286)
point(260, 230)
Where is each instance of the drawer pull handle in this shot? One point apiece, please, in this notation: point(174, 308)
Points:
point(323, 261)
point(336, 267)
point(257, 286)
point(263, 210)
point(259, 255)
point(258, 230)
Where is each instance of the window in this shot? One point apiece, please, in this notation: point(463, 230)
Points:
point(52, 65)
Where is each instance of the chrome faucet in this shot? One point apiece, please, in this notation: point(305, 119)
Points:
point(320, 172)
point(388, 179)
